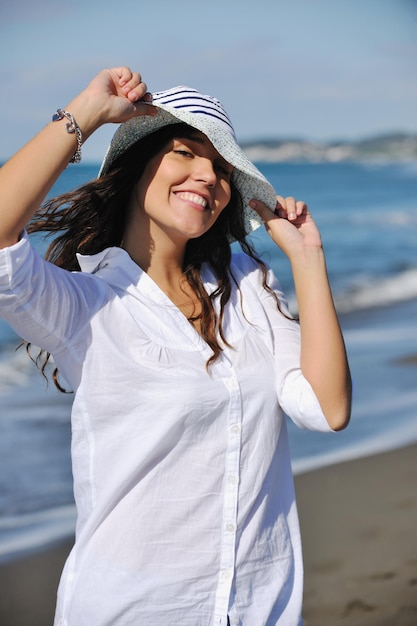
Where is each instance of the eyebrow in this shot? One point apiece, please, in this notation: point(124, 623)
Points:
point(196, 138)
point(202, 141)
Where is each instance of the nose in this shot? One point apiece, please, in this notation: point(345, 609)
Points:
point(204, 171)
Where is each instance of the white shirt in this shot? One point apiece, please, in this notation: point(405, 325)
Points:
point(182, 476)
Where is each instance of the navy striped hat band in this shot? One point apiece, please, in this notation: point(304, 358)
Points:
point(193, 101)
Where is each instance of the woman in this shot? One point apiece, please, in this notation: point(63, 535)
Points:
point(182, 358)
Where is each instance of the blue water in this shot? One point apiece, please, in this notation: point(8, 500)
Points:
point(367, 215)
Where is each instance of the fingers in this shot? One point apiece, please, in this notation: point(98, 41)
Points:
point(132, 85)
point(287, 208)
point(290, 208)
point(262, 210)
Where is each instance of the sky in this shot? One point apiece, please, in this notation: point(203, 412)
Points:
point(315, 69)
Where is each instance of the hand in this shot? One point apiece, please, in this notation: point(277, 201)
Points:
point(290, 226)
point(114, 95)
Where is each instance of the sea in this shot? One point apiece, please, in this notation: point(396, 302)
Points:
point(367, 215)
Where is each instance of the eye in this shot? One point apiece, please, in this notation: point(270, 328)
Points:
point(185, 153)
point(224, 169)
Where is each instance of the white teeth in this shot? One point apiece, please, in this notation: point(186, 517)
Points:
point(192, 197)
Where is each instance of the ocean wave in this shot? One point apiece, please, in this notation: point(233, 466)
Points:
point(383, 442)
point(400, 218)
point(390, 336)
point(371, 292)
point(15, 369)
point(376, 292)
point(403, 169)
point(20, 534)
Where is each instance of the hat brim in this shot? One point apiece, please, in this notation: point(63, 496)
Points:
point(246, 177)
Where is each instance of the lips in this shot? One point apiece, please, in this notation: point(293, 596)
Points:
point(195, 198)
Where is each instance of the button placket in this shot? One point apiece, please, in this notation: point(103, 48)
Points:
point(228, 540)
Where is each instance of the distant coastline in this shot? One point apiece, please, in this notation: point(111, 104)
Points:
point(384, 148)
point(397, 147)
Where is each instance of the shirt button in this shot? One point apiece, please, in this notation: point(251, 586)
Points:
point(230, 527)
point(232, 479)
point(232, 383)
point(236, 620)
point(226, 574)
point(235, 429)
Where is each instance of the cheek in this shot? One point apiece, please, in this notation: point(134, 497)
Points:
point(225, 195)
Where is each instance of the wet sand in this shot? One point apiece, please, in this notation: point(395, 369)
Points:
point(359, 527)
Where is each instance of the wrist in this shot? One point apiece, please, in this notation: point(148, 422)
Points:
point(72, 128)
point(307, 257)
point(85, 112)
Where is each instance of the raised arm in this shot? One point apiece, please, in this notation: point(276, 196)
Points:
point(323, 355)
point(114, 95)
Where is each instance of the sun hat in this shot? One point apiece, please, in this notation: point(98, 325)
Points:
point(206, 114)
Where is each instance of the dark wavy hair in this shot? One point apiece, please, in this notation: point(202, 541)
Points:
point(93, 217)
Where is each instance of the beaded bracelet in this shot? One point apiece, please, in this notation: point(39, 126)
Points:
point(72, 128)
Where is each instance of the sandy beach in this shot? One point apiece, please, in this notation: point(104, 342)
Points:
point(359, 527)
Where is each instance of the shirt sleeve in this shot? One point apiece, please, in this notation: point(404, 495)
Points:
point(45, 304)
point(282, 333)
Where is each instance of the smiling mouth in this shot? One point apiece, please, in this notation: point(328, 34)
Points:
point(192, 197)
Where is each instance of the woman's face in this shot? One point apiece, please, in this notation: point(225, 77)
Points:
point(183, 189)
